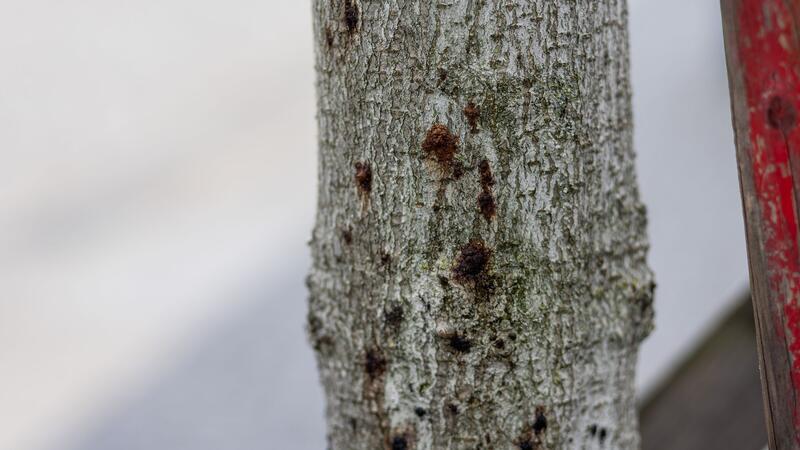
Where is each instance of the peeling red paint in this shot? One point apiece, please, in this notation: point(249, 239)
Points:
point(769, 54)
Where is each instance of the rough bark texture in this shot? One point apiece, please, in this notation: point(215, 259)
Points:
point(479, 275)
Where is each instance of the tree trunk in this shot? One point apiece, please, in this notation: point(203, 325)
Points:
point(479, 275)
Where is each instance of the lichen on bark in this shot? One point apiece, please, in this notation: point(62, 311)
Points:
point(443, 322)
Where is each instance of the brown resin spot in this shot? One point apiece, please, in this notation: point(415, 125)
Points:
point(386, 258)
point(540, 424)
point(458, 170)
point(486, 205)
point(374, 364)
point(394, 317)
point(351, 16)
point(363, 178)
point(347, 236)
point(452, 408)
point(530, 438)
point(473, 113)
point(399, 443)
point(402, 439)
point(329, 37)
point(485, 171)
point(440, 145)
point(459, 343)
point(473, 262)
point(781, 114)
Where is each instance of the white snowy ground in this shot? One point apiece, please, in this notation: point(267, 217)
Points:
point(156, 194)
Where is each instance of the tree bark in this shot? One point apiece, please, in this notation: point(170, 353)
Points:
point(479, 272)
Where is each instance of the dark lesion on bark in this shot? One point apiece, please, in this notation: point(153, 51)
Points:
point(458, 169)
point(363, 178)
point(472, 112)
point(452, 409)
point(347, 236)
point(393, 318)
point(458, 342)
point(399, 443)
point(781, 114)
point(329, 39)
point(599, 433)
point(486, 205)
point(401, 439)
point(486, 202)
point(472, 268)
point(532, 434)
point(385, 259)
point(486, 176)
point(540, 423)
point(374, 363)
point(441, 146)
point(351, 16)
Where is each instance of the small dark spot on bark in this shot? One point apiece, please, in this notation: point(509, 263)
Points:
point(458, 170)
point(444, 281)
point(329, 37)
point(374, 364)
point(603, 435)
point(460, 343)
point(781, 114)
point(527, 441)
point(472, 112)
point(386, 258)
point(347, 236)
point(452, 408)
point(485, 171)
point(593, 430)
point(472, 262)
point(442, 75)
point(353, 424)
point(540, 424)
point(531, 434)
point(351, 16)
point(440, 145)
point(420, 412)
point(486, 205)
point(399, 443)
point(512, 336)
point(499, 344)
point(394, 317)
point(363, 178)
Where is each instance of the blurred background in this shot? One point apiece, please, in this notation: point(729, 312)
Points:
point(152, 259)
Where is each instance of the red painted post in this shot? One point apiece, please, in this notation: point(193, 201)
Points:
point(762, 43)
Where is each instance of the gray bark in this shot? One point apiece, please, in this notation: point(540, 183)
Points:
point(479, 276)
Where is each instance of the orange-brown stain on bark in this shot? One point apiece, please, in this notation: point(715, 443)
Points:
point(441, 146)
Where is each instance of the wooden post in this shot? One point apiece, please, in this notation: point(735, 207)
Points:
point(763, 55)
